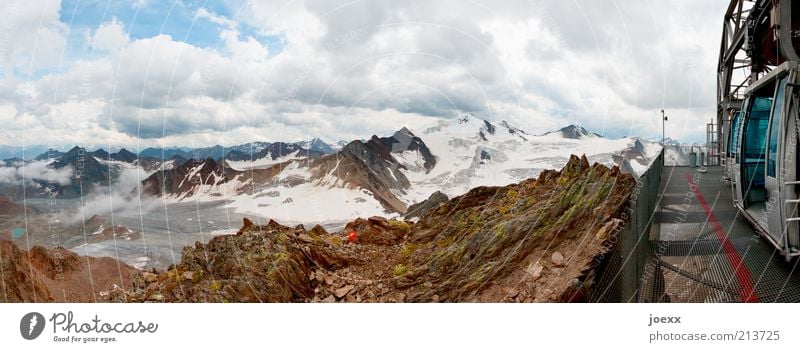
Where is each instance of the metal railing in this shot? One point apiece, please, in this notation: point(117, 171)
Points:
point(681, 155)
point(620, 270)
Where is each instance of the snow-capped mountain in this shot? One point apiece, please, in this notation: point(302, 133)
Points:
point(384, 175)
point(318, 145)
point(574, 132)
point(667, 141)
point(273, 154)
point(375, 176)
point(252, 147)
point(193, 177)
point(472, 152)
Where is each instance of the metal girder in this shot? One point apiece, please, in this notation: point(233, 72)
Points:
point(733, 58)
point(785, 31)
point(756, 36)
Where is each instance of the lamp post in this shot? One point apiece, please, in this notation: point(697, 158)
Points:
point(663, 126)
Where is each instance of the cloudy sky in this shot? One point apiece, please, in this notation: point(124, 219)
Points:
point(195, 73)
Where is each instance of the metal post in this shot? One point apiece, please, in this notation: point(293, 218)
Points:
point(663, 135)
point(663, 129)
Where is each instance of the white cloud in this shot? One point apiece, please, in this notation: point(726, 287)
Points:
point(245, 50)
point(36, 171)
point(120, 198)
point(203, 13)
point(31, 36)
point(248, 49)
point(110, 36)
point(351, 70)
point(139, 4)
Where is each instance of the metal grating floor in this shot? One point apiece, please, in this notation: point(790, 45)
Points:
point(688, 261)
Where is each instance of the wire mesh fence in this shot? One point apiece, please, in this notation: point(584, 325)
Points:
point(690, 155)
point(621, 269)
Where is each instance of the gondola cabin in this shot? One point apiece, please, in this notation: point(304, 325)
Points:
point(762, 157)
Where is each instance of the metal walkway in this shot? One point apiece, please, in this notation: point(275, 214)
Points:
point(702, 250)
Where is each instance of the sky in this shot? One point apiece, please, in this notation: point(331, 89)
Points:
point(148, 73)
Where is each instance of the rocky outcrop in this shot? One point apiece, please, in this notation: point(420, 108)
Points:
point(405, 141)
point(377, 230)
point(271, 263)
point(419, 209)
point(535, 241)
point(368, 166)
point(58, 275)
point(98, 229)
point(183, 180)
point(498, 237)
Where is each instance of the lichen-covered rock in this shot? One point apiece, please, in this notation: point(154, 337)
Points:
point(486, 236)
point(421, 208)
point(258, 264)
point(317, 230)
point(378, 230)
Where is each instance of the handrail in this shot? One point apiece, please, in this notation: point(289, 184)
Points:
point(622, 268)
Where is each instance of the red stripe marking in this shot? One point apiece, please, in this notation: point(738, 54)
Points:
point(748, 293)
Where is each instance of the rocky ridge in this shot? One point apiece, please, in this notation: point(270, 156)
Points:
point(533, 241)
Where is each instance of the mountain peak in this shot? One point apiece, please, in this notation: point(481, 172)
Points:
point(124, 155)
point(101, 154)
point(316, 144)
point(471, 118)
point(404, 135)
point(49, 154)
point(75, 150)
point(574, 132)
point(489, 127)
point(405, 131)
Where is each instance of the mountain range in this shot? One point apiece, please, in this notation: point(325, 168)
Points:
point(539, 240)
point(315, 181)
point(386, 175)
